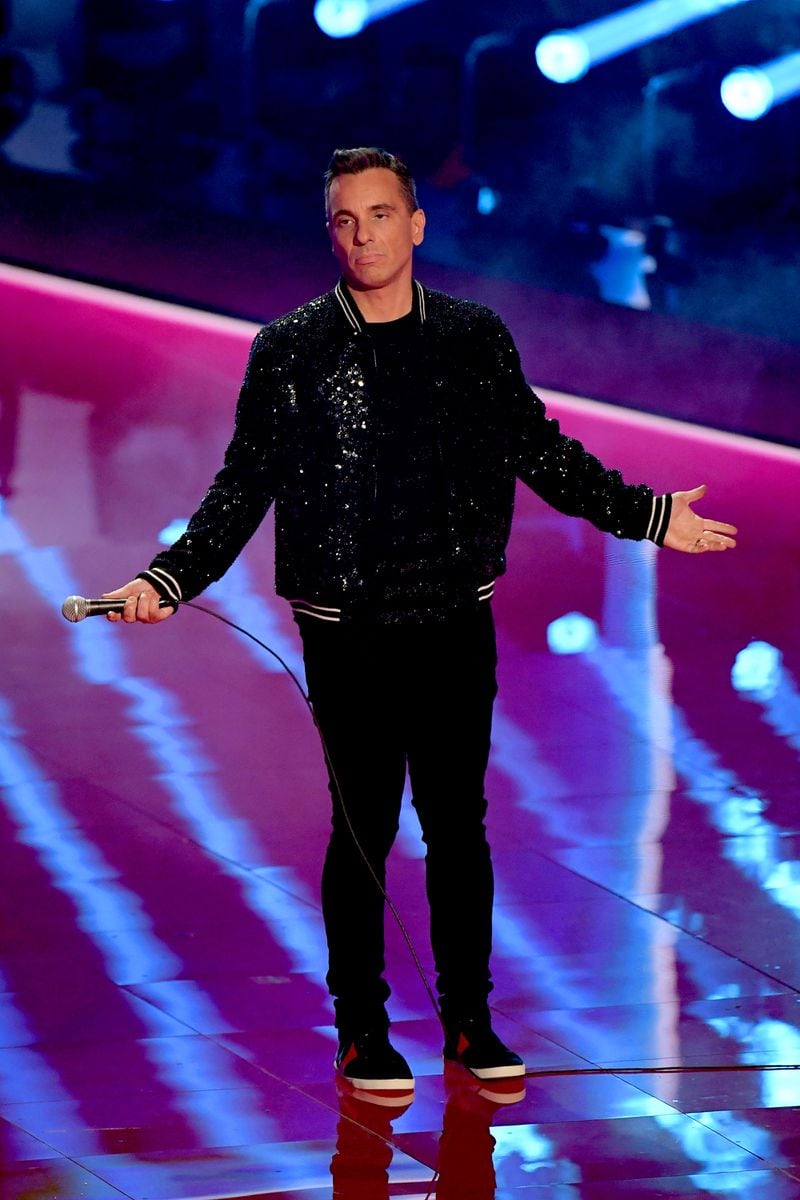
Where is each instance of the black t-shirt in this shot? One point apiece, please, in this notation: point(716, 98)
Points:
point(409, 519)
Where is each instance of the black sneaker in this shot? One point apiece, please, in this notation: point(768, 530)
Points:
point(475, 1045)
point(370, 1063)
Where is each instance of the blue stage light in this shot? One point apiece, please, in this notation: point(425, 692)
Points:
point(747, 93)
point(573, 633)
point(341, 18)
point(757, 669)
point(346, 18)
point(170, 533)
point(750, 92)
point(563, 56)
point(488, 200)
point(567, 54)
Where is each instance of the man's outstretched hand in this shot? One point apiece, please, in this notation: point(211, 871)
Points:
point(693, 534)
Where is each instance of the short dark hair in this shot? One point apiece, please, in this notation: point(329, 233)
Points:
point(364, 158)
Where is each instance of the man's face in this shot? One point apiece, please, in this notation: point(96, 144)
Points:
point(372, 231)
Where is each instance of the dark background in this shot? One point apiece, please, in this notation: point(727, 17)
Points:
point(166, 145)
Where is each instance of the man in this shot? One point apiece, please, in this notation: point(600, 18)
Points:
point(389, 424)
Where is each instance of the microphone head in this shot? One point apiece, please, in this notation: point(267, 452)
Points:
point(75, 608)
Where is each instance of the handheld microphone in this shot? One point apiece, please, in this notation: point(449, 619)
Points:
point(76, 608)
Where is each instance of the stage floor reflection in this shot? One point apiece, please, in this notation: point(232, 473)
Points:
point(164, 1027)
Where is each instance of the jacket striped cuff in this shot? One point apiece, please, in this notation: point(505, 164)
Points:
point(316, 610)
point(659, 519)
point(165, 584)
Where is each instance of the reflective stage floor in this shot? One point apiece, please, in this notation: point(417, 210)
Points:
point(164, 1027)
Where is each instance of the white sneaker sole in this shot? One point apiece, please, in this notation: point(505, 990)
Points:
point(380, 1085)
point(512, 1072)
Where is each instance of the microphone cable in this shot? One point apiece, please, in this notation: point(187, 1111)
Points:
point(338, 794)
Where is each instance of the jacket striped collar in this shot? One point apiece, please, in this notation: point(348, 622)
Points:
point(353, 313)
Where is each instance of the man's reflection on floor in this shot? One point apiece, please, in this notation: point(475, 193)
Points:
point(464, 1166)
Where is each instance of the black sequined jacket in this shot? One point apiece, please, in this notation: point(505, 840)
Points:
point(304, 437)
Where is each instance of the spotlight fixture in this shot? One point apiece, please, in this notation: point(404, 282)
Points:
point(567, 54)
point(346, 18)
point(750, 92)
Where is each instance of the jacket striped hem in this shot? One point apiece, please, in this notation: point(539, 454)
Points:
point(325, 613)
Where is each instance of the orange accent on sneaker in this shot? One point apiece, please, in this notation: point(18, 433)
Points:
point(463, 1044)
point(348, 1058)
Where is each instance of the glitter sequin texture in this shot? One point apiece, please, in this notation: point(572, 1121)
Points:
point(304, 438)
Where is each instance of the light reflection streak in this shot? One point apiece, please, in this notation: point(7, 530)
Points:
point(712, 784)
point(780, 704)
point(712, 1139)
point(734, 809)
point(536, 1154)
point(113, 918)
point(638, 678)
point(187, 773)
point(111, 915)
point(75, 864)
point(237, 598)
point(25, 1071)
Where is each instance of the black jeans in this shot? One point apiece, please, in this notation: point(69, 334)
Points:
point(387, 698)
